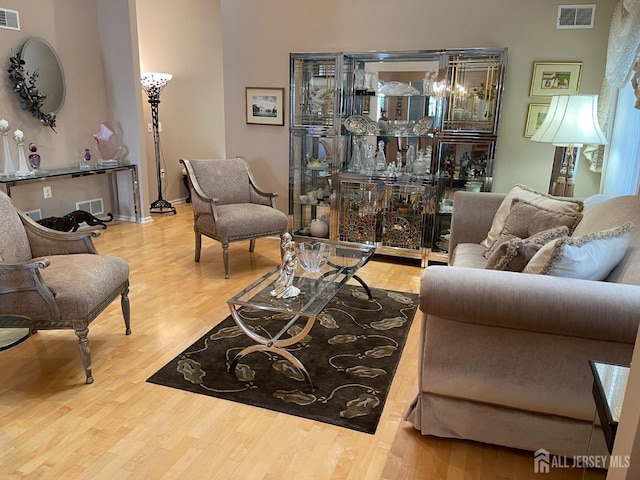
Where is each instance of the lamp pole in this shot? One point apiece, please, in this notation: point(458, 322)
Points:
point(153, 84)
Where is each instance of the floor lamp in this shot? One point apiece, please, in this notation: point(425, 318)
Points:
point(153, 84)
point(571, 122)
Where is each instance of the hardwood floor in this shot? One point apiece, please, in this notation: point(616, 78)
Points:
point(56, 427)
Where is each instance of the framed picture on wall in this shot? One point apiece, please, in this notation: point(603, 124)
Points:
point(265, 106)
point(551, 79)
point(535, 116)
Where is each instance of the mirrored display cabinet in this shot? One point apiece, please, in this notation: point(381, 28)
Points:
point(379, 141)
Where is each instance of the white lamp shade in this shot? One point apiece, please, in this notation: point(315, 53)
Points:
point(571, 120)
point(152, 79)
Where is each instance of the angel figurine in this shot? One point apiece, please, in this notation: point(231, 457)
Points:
point(284, 287)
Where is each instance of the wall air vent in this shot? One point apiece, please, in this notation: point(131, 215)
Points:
point(9, 19)
point(576, 16)
point(94, 207)
point(34, 214)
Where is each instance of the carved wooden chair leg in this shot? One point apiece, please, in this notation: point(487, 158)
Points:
point(85, 351)
point(225, 258)
point(126, 311)
point(252, 244)
point(198, 246)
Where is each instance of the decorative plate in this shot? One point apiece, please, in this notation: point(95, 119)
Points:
point(357, 124)
point(423, 126)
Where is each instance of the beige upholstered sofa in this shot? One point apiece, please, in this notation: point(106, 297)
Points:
point(504, 355)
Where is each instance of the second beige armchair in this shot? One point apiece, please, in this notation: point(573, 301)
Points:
point(228, 206)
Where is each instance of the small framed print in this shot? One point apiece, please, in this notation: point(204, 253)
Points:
point(265, 106)
point(535, 117)
point(551, 79)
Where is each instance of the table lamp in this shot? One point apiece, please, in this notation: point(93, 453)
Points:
point(572, 121)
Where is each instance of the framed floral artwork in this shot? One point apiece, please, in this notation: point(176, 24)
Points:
point(265, 106)
point(535, 116)
point(551, 79)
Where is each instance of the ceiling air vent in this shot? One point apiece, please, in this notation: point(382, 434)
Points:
point(576, 16)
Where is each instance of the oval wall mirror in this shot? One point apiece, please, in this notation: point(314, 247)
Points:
point(38, 79)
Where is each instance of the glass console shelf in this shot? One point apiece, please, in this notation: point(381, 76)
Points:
point(9, 181)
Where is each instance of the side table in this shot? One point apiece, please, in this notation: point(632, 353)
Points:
point(14, 329)
point(609, 385)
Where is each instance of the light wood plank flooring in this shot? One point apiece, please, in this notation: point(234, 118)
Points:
point(56, 427)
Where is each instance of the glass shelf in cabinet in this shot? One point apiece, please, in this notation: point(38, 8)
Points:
point(379, 133)
point(383, 95)
point(314, 168)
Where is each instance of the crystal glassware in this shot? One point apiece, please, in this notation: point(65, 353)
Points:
point(9, 168)
point(312, 256)
point(23, 168)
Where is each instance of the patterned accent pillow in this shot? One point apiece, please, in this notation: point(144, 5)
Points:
point(590, 257)
point(513, 255)
point(556, 204)
point(526, 219)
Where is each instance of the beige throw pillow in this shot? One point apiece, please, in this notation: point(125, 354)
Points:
point(590, 257)
point(513, 255)
point(526, 219)
point(556, 204)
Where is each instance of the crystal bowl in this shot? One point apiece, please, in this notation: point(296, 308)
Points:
point(397, 127)
point(312, 256)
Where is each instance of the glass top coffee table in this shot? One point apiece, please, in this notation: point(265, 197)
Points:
point(14, 329)
point(316, 291)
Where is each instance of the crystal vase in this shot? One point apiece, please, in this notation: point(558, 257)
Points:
point(23, 167)
point(9, 169)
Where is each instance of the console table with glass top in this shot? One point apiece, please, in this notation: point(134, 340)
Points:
point(7, 182)
point(316, 291)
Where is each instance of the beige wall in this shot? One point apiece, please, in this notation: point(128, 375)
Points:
point(103, 46)
point(258, 37)
point(204, 116)
point(184, 39)
point(70, 27)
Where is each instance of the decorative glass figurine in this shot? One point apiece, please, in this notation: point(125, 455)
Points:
point(381, 159)
point(369, 160)
point(9, 168)
point(410, 158)
point(109, 146)
point(34, 158)
point(399, 165)
point(356, 156)
point(23, 167)
point(84, 163)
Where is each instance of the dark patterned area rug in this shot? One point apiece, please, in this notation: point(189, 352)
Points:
point(351, 354)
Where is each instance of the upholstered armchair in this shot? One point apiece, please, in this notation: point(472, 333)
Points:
point(228, 206)
point(57, 279)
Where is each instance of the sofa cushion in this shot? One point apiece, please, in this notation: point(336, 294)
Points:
point(513, 255)
point(469, 255)
point(556, 204)
point(526, 219)
point(590, 257)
